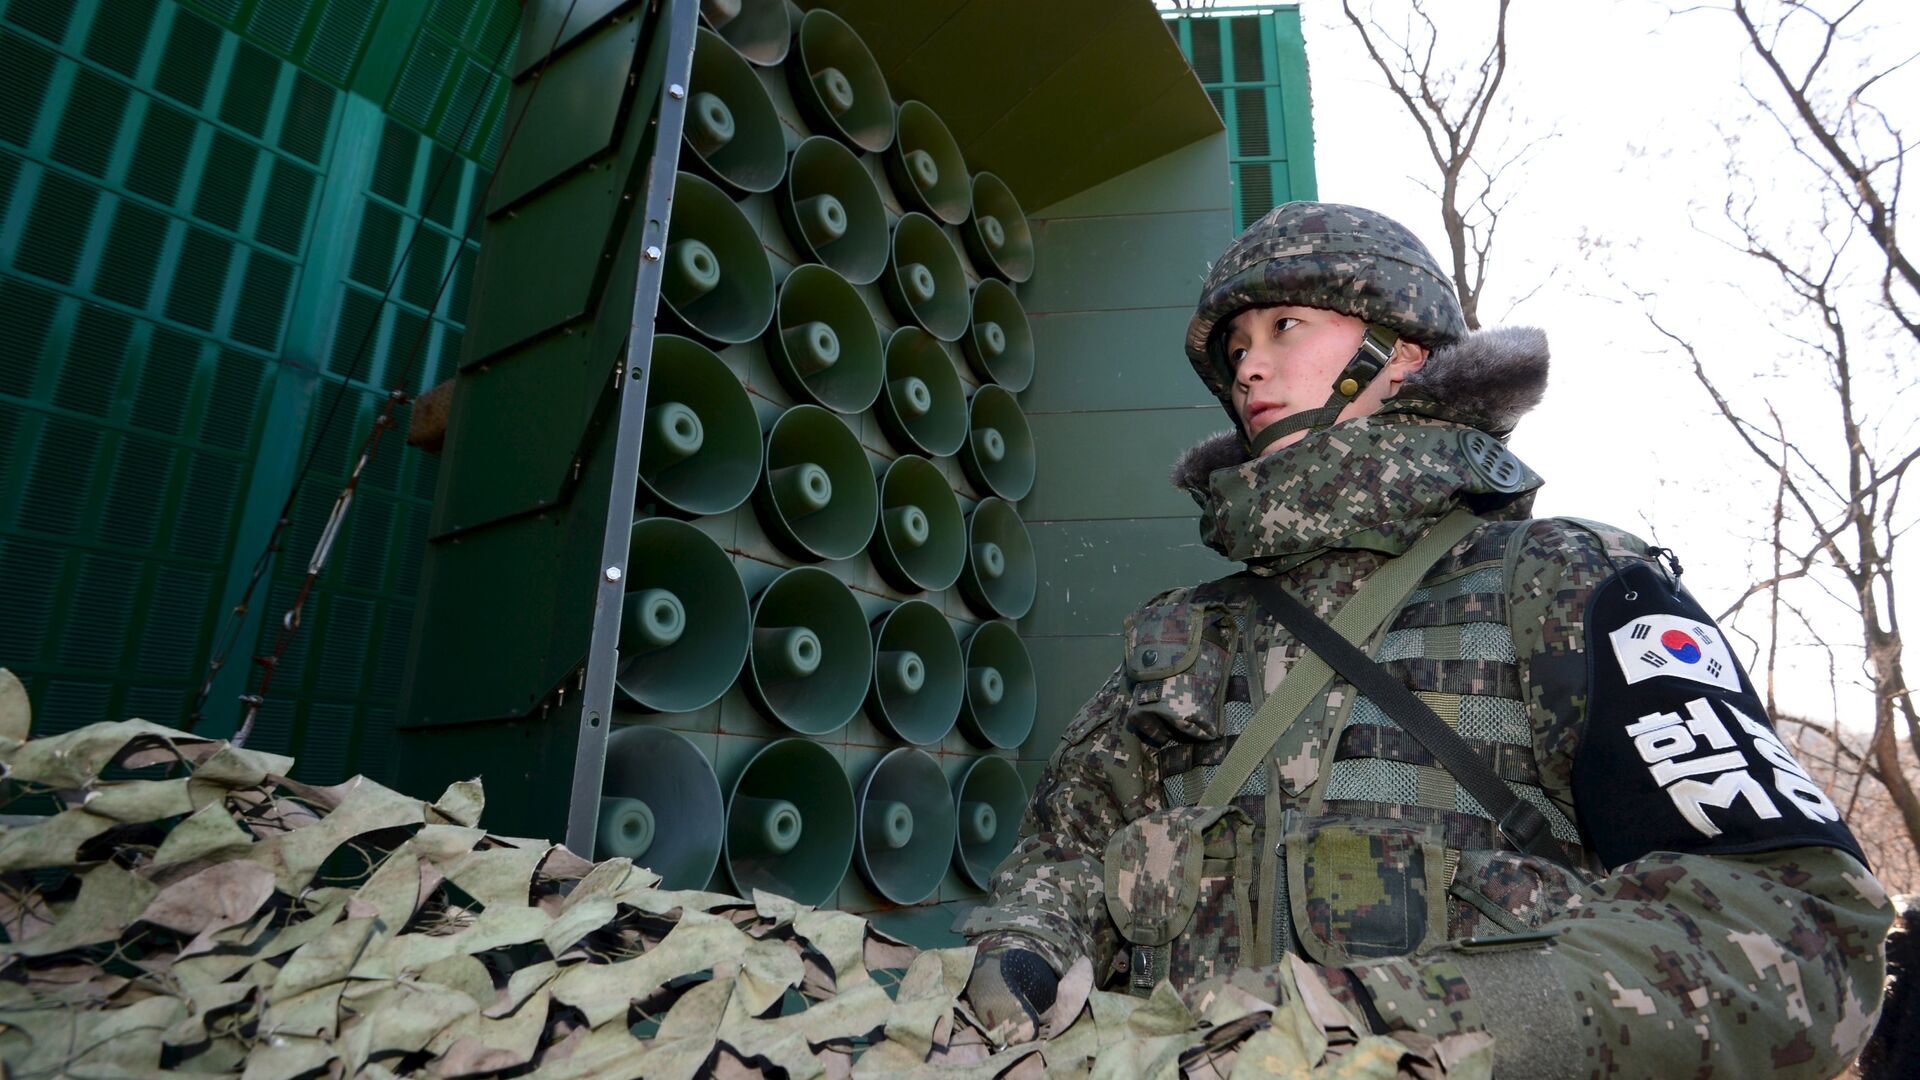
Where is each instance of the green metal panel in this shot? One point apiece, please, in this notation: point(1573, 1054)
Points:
point(1254, 66)
point(196, 225)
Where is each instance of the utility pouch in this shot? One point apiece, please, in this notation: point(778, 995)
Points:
point(1177, 670)
point(1359, 890)
point(1177, 884)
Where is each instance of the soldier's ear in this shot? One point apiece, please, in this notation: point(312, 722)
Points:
point(1407, 359)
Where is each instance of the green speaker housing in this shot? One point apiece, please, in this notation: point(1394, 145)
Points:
point(917, 673)
point(924, 406)
point(701, 450)
point(906, 833)
point(1002, 697)
point(988, 800)
point(920, 543)
point(715, 280)
point(733, 135)
point(817, 498)
point(683, 626)
point(832, 210)
point(996, 232)
point(661, 806)
point(823, 344)
point(999, 340)
point(925, 165)
point(924, 280)
point(838, 84)
point(812, 655)
point(760, 30)
point(999, 578)
point(998, 455)
point(790, 823)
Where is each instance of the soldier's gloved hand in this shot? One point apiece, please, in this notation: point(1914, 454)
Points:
point(1011, 984)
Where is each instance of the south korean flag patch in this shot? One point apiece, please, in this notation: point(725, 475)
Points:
point(1677, 753)
point(1671, 645)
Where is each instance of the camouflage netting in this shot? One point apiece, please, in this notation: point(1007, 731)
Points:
point(204, 913)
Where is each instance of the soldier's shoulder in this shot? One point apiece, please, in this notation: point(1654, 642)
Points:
point(1571, 547)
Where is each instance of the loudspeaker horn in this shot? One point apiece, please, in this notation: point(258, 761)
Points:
point(925, 165)
point(823, 343)
point(1001, 697)
point(701, 450)
point(999, 341)
point(660, 806)
point(759, 29)
point(998, 456)
point(921, 541)
point(790, 823)
point(833, 212)
point(812, 654)
point(683, 618)
point(838, 84)
point(996, 232)
point(732, 132)
point(924, 406)
point(989, 800)
point(917, 673)
point(1000, 576)
point(907, 823)
point(924, 281)
point(716, 281)
point(817, 497)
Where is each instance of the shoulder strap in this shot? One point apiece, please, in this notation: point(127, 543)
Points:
point(1518, 820)
point(1384, 591)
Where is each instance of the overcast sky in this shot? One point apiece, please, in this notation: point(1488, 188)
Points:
point(1627, 195)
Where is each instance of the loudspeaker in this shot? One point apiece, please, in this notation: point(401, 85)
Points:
point(832, 210)
point(1001, 696)
point(700, 453)
point(818, 498)
point(660, 806)
point(732, 132)
point(922, 538)
point(823, 344)
point(999, 577)
point(999, 342)
point(790, 823)
point(925, 165)
point(998, 456)
point(996, 232)
point(924, 407)
point(838, 84)
point(716, 281)
point(683, 619)
point(906, 826)
point(924, 281)
point(989, 800)
point(812, 655)
point(760, 29)
point(917, 673)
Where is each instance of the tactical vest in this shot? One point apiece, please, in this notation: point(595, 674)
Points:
point(1349, 842)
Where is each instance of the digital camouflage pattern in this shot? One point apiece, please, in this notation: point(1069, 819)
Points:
point(204, 914)
point(1324, 255)
point(1709, 966)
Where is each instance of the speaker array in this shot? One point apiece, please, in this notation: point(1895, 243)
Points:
point(825, 562)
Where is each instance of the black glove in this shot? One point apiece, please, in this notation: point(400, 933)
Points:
point(1011, 984)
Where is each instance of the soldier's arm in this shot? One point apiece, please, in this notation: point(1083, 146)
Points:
point(1049, 894)
point(1755, 950)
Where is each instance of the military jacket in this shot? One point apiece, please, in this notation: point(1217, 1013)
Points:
point(1750, 948)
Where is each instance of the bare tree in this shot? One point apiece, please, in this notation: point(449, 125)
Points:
point(1452, 106)
point(1849, 318)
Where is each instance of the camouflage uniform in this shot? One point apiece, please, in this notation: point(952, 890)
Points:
point(1352, 848)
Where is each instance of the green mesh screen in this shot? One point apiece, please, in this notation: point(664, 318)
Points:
point(1254, 67)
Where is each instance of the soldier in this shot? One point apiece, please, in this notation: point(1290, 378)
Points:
point(1578, 833)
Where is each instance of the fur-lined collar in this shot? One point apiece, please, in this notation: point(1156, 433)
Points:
point(1489, 379)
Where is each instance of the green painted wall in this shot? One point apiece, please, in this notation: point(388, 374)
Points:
point(201, 205)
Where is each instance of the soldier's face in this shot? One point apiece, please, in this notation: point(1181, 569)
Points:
point(1285, 361)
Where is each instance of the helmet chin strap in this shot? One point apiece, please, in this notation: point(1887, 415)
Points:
point(1376, 349)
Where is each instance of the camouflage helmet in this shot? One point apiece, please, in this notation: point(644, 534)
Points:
point(1324, 255)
